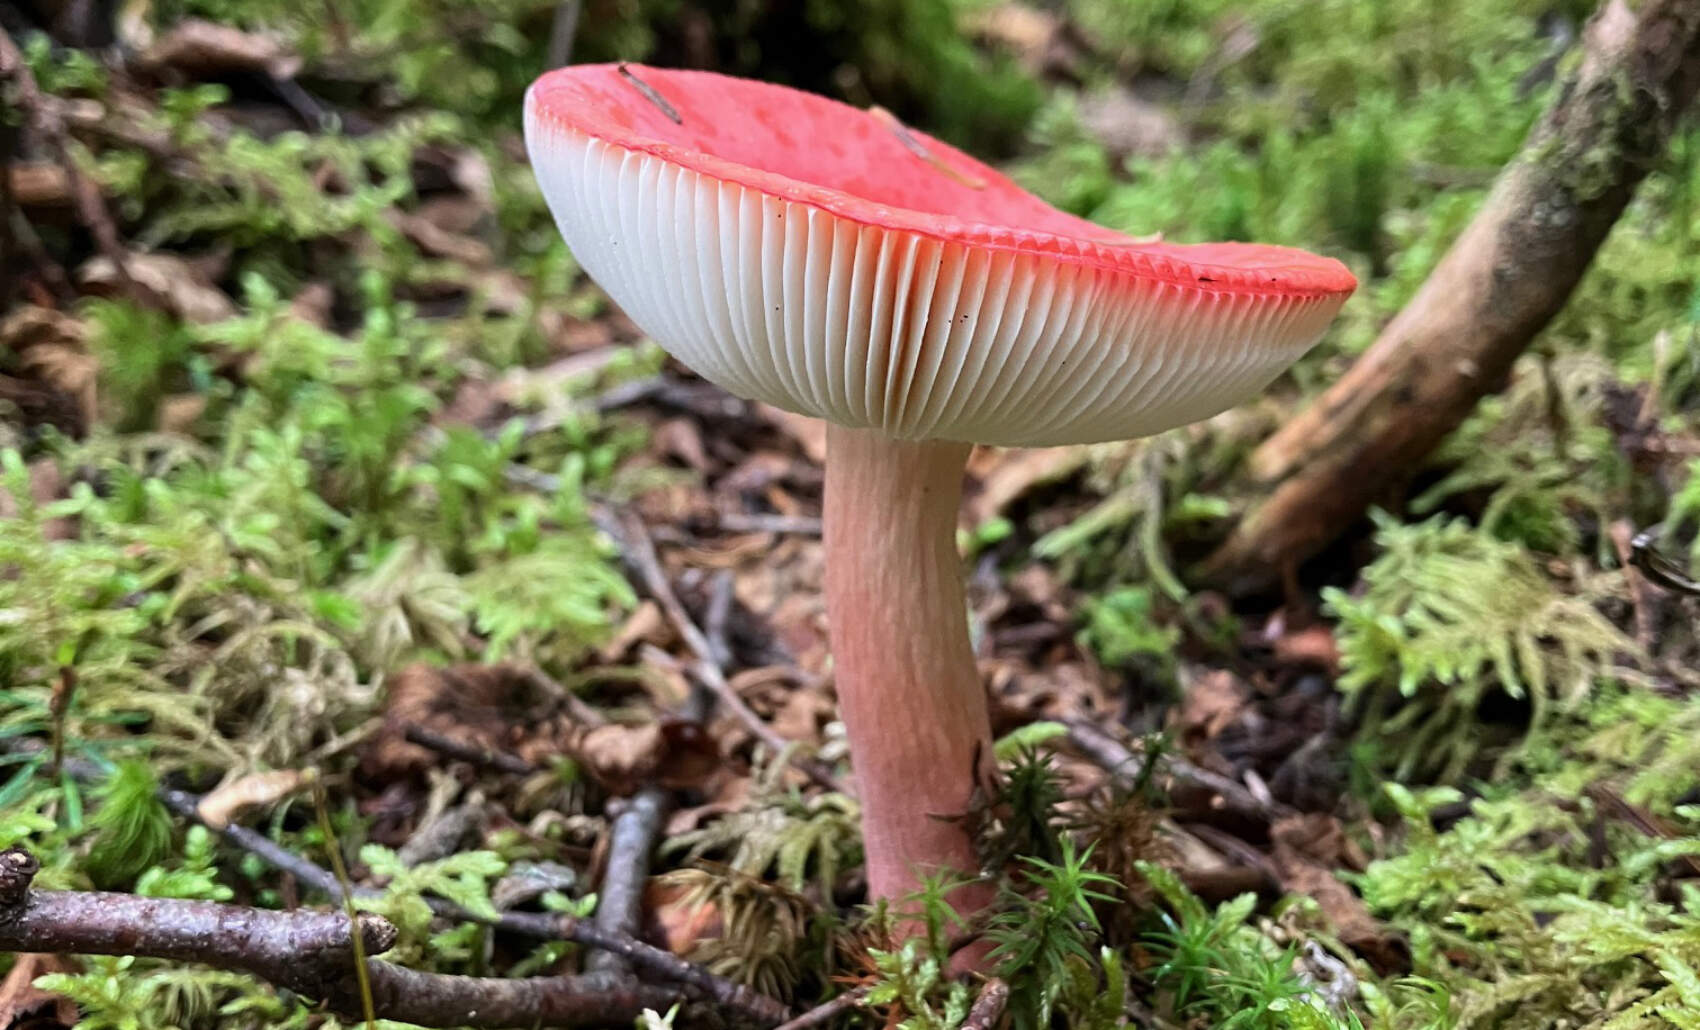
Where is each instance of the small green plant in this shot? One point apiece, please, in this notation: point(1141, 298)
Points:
point(1121, 630)
point(1529, 931)
point(800, 841)
point(1448, 613)
point(1214, 966)
point(1045, 928)
point(132, 829)
point(911, 984)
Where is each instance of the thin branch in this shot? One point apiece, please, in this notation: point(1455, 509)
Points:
point(1502, 281)
point(310, 953)
point(44, 117)
point(827, 1012)
point(257, 844)
point(452, 748)
point(639, 552)
point(1124, 764)
point(784, 525)
point(619, 902)
point(719, 613)
point(659, 962)
point(563, 31)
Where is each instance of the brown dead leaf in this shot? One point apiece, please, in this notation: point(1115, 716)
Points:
point(682, 439)
point(1044, 44)
point(731, 793)
point(1063, 690)
point(179, 412)
point(676, 919)
point(804, 709)
point(809, 434)
point(255, 790)
point(758, 471)
point(313, 304)
point(438, 241)
point(58, 385)
point(200, 49)
point(47, 484)
point(671, 752)
point(22, 1005)
point(1214, 700)
point(646, 624)
point(492, 708)
point(1313, 646)
point(1307, 850)
point(39, 184)
point(1007, 475)
point(173, 284)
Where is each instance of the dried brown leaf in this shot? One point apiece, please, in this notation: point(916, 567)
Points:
point(809, 434)
point(1307, 850)
point(39, 184)
point(674, 753)
point(255, 790)
point(1006, 476)
point(200, 48)
point(22, 1005)
point(1214, 700)
point(173, 284)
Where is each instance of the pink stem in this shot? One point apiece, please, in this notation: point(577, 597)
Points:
point(908, 689)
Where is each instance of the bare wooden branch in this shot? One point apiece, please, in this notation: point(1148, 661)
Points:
point(452, 748)
point(1497, 287)
point(827, 1012)
point(739, 522)
point(619, 902)
point(1124, 765)
point(563, 32)
point(308, 952)
point(659, 962)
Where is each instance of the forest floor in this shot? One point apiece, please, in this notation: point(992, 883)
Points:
point(351, 539)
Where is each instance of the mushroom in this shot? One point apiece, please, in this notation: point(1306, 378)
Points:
point(833, 262)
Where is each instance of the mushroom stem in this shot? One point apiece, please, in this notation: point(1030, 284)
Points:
point(908, 688)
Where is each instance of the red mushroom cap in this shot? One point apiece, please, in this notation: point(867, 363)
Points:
point(833, 262)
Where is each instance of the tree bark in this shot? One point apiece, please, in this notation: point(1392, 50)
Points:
point(1491, 294)
point(311, 953)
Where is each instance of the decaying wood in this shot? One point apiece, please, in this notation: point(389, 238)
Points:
point(1494, 290)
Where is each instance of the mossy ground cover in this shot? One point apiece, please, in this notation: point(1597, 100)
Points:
point(334, 470)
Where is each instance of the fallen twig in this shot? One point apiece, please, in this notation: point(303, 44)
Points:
point(1643, 601)
point(44, 117)
point(639, 552)
point(754, 1006)
point(719, 613)
point(1659, 569)
point(1124, 764)
point(562, 32)
point(310, 953)
point(828, 1011)
point(452, 748)
point(795, 525)
point(1504, 278)
point(631, 844)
